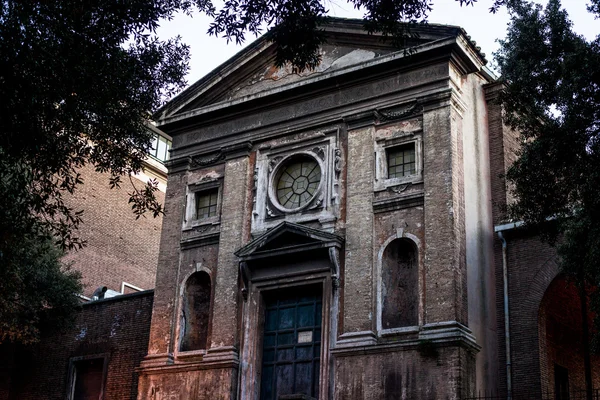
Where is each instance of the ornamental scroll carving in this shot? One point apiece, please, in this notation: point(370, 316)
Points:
point(386, 115)
point(320, 152)
point(334, 258)
point(254, 189)
point(273, 162)
point(204, 161)
point(337, 166)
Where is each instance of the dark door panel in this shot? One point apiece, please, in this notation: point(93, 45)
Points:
point(291, 344)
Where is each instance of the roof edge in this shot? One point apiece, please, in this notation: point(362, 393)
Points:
point(395, 56)
point(332, 25)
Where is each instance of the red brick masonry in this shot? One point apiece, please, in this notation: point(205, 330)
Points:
point(117, 328)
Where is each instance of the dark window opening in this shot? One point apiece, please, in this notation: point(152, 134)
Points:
point(401, 161)
point(160, 148)
point(561, 382)
point(196, 309)
point(400, 285)
point(88, 379)
point(206, 203)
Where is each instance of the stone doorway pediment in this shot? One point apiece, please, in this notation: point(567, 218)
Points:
point(288, 250)
point(287, 238)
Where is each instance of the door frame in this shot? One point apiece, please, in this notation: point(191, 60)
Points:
point(253, 326)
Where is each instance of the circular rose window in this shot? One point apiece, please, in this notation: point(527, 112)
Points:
point(297, 181)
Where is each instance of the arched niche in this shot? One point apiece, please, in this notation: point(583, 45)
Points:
point(399, 284)
point(196, 312)
point(560, 330)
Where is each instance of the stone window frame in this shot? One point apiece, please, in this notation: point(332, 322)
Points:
point(325, 207)
point(73, 370)
point(271, 192)
point(190, 221)
point(400, 234)
point(383, 146)
point(251, 355)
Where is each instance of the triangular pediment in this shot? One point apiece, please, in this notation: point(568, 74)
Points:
point(252, 70)
point(288, 236)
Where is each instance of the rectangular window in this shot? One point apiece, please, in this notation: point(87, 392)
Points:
point(206, 203)
point(401, 161)
point(163, 149)
point(152, 151)
point(87, 379)
point(160, 148)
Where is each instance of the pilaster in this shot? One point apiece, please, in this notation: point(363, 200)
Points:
point(444, 212)
point(358, 274)
point(161, 344)
point(234, 230)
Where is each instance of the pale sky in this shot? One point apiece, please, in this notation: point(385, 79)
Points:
point(208, 52)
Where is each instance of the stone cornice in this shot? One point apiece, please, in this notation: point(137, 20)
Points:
point(210, 157)
point(398, 202)
point(200, 240)
point(184, 367)
point(319, 239)
point(443, 334)
point(454, 47)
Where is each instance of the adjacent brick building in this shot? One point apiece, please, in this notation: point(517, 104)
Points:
point(545, 321)
point(108, 342)
point(100, 354)
point(121, 251)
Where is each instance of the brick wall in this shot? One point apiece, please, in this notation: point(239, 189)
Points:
point(117, 327)
point(560, 328)
point(445, 373)
point(504, 148)
point(119, 247)
point(545, 318)
point(531, 268)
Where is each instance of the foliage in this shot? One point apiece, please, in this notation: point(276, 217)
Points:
point(78, 80)
point(37, 290)
point(295, 25)
point(553, 99)
point(38, 296)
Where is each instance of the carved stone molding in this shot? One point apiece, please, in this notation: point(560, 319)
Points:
point(337, 166)
point(225, 152)
point(398, 202)
point(204, 239)
point(408, 111)
point(360, 120)
point(273, 162)
point(204, 161)
point(236, 150)
point(334, 257)
point(320, 152)
point(400, 188)
point(245, 275)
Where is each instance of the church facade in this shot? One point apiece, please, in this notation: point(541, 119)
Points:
point(322, 228)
